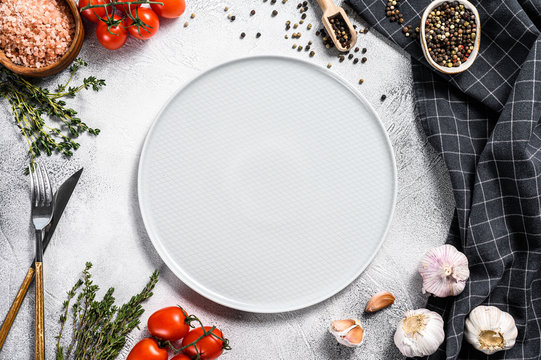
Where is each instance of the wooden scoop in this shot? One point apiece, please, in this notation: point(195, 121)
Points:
point(331, 11)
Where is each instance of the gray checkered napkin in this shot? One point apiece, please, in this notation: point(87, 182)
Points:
point(486, 123)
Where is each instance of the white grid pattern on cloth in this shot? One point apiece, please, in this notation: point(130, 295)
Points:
point(486, 123)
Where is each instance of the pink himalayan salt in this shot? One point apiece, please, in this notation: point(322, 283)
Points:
point(35, 33)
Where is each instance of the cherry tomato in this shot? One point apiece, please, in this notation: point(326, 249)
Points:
point(108, 40)
point(168, 324)
point(180, 357)
point(90, 14)
point(147, 349)
point(170, 8)
point(209, 346)
point(150, 26)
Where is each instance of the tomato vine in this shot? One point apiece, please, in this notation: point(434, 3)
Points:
point(132, 16)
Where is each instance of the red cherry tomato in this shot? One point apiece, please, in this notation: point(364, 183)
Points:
point(170, 8)
point(181, 357)
point(150, 26)
point(209, 347)
point(90, 14)
point(168, 324)
point(147, 349)
point(108, 40)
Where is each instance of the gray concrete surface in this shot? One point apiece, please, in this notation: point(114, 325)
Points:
point(102, 223)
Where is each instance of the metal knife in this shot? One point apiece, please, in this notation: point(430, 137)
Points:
point(61, 197)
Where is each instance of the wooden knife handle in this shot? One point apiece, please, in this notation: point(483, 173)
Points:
point(40, 329)
point(14, 309)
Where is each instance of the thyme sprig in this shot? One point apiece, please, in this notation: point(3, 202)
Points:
point(31, 105)
point(99, 327)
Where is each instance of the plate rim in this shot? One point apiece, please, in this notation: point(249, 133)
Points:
point(202, 290)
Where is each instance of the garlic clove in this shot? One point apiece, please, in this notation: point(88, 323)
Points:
point(347, 332)
point(419, 333)
point(444, 270)
point(341, 325)
point(490, 329)
point(379, 301)
point(355, 336)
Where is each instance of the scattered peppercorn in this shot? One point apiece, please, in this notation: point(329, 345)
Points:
point(356, 49)
point(192, 16)
point(258, 35)
point(341, 58)
point(350, 56)
point(274, 12)
point(392, 11)
point(273, 2)
point(361, 81)
point(450, 34)
point(233, 18)
point(226, 8)
point(312, 53)
point(242, 35)
point(303, 16)
point(186, 24)
point(252, 13)
point(294, 46)
point(364, 51)
point(329, 65)
point(363, 60)
point(295, 26)
point(299, 48)
point(309, 26)
point(383, 97)
point(355, 61)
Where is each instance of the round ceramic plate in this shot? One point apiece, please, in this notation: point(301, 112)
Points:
point(267, 184)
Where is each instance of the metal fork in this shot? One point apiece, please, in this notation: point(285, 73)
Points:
point(42, 214)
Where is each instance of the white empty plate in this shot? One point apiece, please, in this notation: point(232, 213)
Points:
point(267, 184)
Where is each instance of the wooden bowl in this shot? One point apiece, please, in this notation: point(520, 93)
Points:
point(63, 62)
point(464, 66)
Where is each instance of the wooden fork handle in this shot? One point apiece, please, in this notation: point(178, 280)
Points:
point(40, 329)
point(12, 313)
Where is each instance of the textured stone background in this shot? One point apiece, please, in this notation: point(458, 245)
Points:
point(102, 223)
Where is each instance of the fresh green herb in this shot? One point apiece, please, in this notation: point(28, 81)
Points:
point(31, 104)
point(99, 327)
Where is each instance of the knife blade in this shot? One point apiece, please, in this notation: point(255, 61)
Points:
point(61, 198)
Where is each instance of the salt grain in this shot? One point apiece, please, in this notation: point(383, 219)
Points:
point(35, 33)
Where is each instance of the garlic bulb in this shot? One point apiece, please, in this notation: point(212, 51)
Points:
point(444, 270)
point(419, 333)
point(347, 332)
point(490, 330)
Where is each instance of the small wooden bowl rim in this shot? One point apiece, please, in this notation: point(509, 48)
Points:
point(465, 66)
point(59, 65)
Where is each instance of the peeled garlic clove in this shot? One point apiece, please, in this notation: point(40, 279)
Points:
point(444, 270)
point(419, 333)
point(347, 332)
point(379, 301)
point(490, 330)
